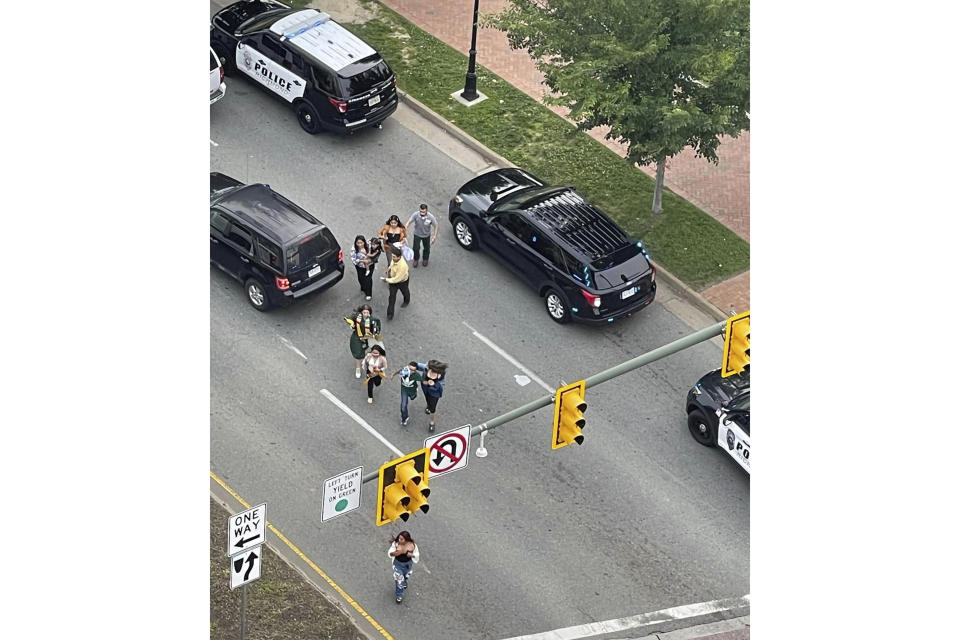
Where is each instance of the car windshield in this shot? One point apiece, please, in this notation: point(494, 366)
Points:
point(517, 199)
point(354, 82)
point(307, 250)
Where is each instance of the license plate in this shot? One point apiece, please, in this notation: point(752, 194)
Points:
point(374, 100)
point(314, 272)
point(629, 292)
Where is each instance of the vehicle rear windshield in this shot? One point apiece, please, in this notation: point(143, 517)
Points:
point(306, 252)
point(359, 77)
point(614, 269)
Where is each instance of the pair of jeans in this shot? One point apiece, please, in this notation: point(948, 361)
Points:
point(401, 571)
point(417, 241)
point(404, 406)
point(404, 288)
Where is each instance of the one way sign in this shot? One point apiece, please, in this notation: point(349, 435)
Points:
point(247, 529)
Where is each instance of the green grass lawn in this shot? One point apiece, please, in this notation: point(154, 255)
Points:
point(686, 241)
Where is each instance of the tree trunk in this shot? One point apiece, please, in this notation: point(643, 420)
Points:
point(658, 189)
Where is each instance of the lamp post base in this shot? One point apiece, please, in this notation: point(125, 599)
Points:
point(458, 96)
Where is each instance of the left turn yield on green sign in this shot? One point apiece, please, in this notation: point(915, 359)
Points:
point(341, 494)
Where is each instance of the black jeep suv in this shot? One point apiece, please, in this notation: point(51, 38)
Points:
point(584, 266)
point(276, 249)
point(331, 78)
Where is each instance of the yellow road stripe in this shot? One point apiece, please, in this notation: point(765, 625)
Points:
point(310, 562)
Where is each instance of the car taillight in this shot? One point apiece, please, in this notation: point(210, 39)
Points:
point(282, 283)
point(653, 274)
point(592, 300)
point(340, 256)
point(221, 75)
point(341, 105)
point(394, 81)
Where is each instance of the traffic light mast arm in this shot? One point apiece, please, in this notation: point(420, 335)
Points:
point(651, 356)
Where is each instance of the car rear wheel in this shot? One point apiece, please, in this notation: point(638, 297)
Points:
point(308, 117)
point(701, 429)
point(557, 307)
point(229, 64)
point(257, 294)
point(465, 234)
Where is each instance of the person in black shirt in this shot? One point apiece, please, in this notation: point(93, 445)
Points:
point(404, 552)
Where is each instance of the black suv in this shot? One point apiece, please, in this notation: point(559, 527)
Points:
point(584, 266)
point(718, 413)
point(333, 79)
point(276, 249)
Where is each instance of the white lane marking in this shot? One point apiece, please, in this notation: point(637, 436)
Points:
point(289, 345)
point(363, 423)
point(214, 143)
point(642, 620)
point(506, 356)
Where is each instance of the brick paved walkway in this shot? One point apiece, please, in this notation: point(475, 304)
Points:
point(723, 190)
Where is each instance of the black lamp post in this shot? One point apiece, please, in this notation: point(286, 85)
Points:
point(470, 86)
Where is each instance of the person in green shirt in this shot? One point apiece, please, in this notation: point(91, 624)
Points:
point(409, 377)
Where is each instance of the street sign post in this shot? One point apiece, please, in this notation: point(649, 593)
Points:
point(341, 494)
point(448, 451)
point(247, 529)
point(245, 566)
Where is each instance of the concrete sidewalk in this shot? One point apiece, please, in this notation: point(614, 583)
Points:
point(722, 190)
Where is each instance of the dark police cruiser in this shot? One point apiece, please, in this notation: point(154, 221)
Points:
point(584, 266)
point(718, 413)
point(276, 249)
point(333, 79)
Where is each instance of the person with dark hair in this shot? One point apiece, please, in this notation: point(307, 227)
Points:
point(374, 364)
point(434, 373)
point(404, 552)
point(398, 277)
point(409, 377)
point(365, 327)
point(362, 263)
point(425, 230)
point(393, 231)
point(374, 251)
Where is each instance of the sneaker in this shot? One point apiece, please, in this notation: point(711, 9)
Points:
point(416, 263)
point(425, 261)
point(431, 427)
point(403, 423)
point(358, 373)
point(368, 297)
point(426, 411)
point(403, 304)
point(389, 316)
point(369, 400)
point(400, 599)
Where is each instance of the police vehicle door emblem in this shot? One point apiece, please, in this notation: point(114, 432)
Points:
point(278, 79)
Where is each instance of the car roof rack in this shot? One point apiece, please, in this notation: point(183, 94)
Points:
point(579, 223)
point(315, 34)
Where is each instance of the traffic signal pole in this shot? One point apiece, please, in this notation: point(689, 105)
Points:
point(651, 356)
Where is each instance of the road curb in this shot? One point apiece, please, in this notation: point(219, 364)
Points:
point(683, 290)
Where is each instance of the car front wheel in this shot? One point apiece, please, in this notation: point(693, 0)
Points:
point(257, 294)
point(557, 307)
point(308, 117)
point(700, 429)
point(464, 233)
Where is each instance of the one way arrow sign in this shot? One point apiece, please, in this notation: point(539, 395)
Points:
point(246, 529)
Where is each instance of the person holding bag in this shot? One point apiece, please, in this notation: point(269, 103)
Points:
point(365, 327)
point(374, 364)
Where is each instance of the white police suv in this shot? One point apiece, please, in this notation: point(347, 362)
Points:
point(331, 78)
point(718, 414)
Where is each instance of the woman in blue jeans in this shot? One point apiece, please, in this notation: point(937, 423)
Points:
point(404, 552)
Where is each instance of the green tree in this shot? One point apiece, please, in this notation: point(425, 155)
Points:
point(662, 74)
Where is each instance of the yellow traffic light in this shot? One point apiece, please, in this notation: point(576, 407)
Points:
point(568, 408)
point(403, 487)
point(736, 345)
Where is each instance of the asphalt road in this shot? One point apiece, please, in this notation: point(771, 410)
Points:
point(639, 518)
